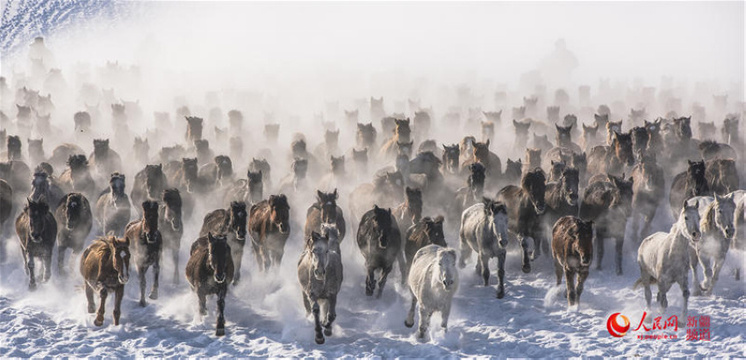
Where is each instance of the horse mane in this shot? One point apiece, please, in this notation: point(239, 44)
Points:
point(172, 198)
point(532, 176)
point(707, 223)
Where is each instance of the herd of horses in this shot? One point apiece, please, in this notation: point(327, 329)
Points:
point(405, 197)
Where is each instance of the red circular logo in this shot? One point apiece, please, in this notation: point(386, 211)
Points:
point(615, 328)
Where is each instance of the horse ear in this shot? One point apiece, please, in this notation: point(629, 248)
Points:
point(487, 143)
point(439, 219)
point(126, 240)
point(336, 194)
point(319, 195)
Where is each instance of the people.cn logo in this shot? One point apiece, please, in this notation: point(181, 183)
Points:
point(618, 325)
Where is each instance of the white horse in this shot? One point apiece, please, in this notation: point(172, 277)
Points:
point(433, 279)
point(664, 257)
point(320, 277)
point(716, 214)
point(484, 229)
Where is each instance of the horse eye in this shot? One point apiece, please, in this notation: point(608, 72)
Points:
point(686, 218)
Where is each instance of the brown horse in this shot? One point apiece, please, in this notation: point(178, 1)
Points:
point(194, 129)
point(269, 226)
point(526, 205)
point(148, 244)
point(170, 225)
point(217, 174)
point(425, 232)
point(608, 204)
point(230, 222)
point(722, 176)
point(77, 177)
point(36, 230)
point(688, 184)
point(74, 219)
point(450, 159)
point(572, 249)
point(149, 184)
point(209, 270)
point(365, 136)
point(410, 211)
point(491, 162)
point(402, 134)
point(612, 158)
point(647, 193)
point(562, 196)
point(325, 211)
point(105, 266)
point(380, 243)
point(113, 207)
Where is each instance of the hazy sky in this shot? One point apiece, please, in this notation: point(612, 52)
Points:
point(497, 41)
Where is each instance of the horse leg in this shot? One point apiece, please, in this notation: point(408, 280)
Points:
point(570, 280)
point(409, 321)
point(156, 276)
point(465, 252)
point(175, 257)
point(237, 255)
point(317, 323)
point(582, 275)
point(693, 262)
point(102, 307)
point(444, 313)
point(89, 297)
point(662, 291)
point(501, 275)
point(717, 266)
point(425, 315)
point(47, 261)
point(331, 314)
point(220, 326)
point(684, 285)
point(61, 259)
point(382, 280)
point(525, 260)
point(619, 245)
point(141, 271)
point(558, 272)
point(118, 296)
point(370, 281)
point(402, 267)
point(30, 267)
point(202, 299)
point(707, 271)
point(599, 250)
point(484, 269)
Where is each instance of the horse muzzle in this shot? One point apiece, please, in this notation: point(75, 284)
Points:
point(123, 279)
point(36, 237)
point(696, 236)
point(283, 229)
point(585, 261)
point(539, 209)
point(319, 274)
point(729, 232)
point(447, 284)
point(219, 278)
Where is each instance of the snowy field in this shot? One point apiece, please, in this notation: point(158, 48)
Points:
point(265, 316)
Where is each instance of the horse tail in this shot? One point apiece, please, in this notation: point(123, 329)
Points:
point(637, 284)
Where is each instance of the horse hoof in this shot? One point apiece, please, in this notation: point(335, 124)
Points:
point(32, 287)
point(421, 338)
point(526, 268)
point(462, 265)
point(142, 303)
point(408, 324)
point(328, 331)
point(619, 272)
point(91, 310)
point(500, 294)
point(153, 296)
point(98, 322)
point(320, 339)
point(220, 332)
point(203, 312)
point(369, 292)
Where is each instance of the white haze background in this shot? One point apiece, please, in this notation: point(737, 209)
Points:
point(303, 54)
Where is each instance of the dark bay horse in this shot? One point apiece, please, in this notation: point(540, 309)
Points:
point(269, 226)
point(232, 223)
point(74, 222)
point(380, 242)
point(148, 244)
point(526, 205)
point(171, 226)
point(36, 230)
point(209, 270)
point(325, 211)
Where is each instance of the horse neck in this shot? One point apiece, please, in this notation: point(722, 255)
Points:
point(678, 237)
point(697, 187)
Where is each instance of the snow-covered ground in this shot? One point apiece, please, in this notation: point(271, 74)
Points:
point(265, 316)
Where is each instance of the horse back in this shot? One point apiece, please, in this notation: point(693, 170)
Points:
point(213, 222)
